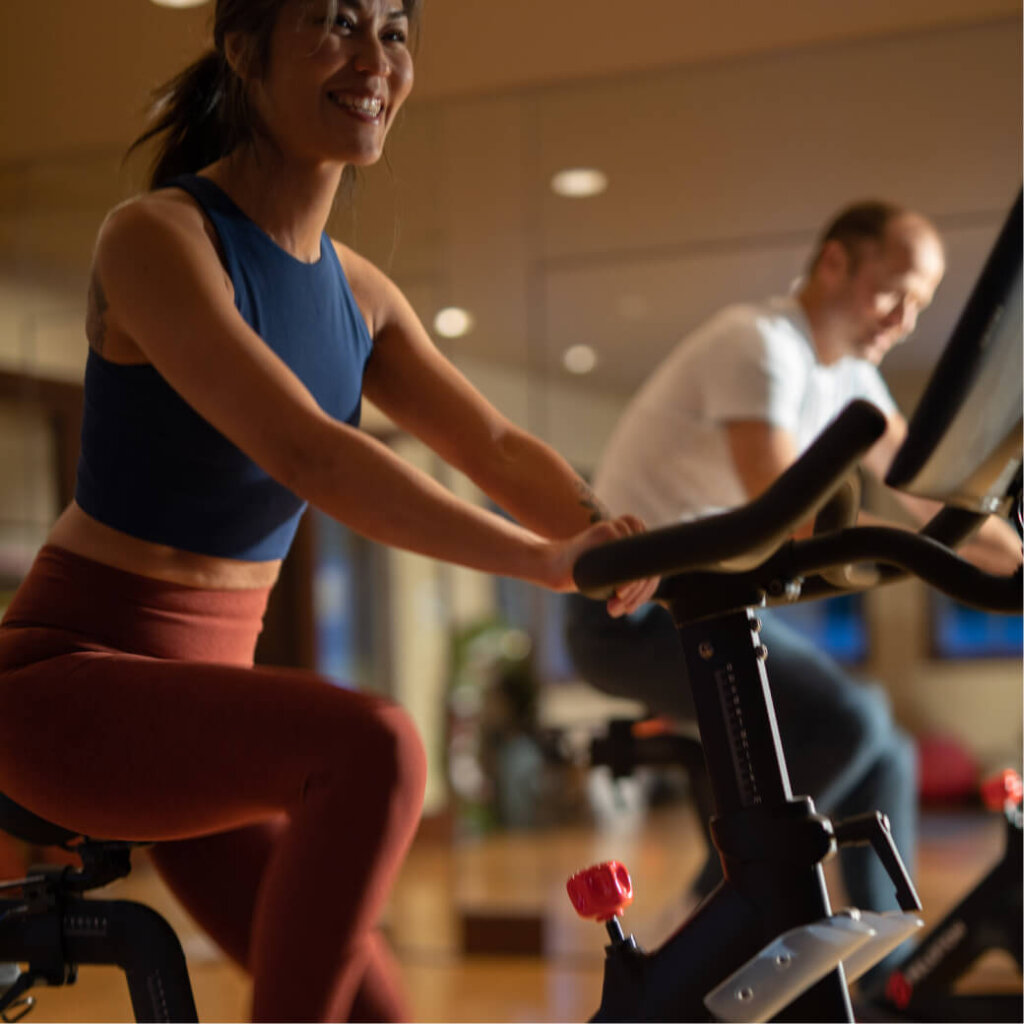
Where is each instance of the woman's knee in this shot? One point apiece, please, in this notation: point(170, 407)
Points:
point(401, 755)
point(382, 756)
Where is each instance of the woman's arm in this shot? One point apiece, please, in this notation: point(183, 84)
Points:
point(166, 290)
point(424, 394)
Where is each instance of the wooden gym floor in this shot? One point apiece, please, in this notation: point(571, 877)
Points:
point(521, 877)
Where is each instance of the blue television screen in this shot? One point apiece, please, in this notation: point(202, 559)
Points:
point(962, 632)
point(837, 625)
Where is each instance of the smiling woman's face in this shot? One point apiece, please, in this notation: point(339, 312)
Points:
point(332, 88)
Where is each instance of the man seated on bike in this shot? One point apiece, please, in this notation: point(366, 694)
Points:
point(731, 407)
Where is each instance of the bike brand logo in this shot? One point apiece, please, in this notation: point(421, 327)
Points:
point(900, 986)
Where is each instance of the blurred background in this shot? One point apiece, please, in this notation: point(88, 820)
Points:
point(718, 139)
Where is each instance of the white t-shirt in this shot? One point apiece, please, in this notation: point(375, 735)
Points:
point(668, 457)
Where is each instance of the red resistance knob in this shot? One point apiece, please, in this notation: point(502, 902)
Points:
point(601, 892)
point(1002, 789)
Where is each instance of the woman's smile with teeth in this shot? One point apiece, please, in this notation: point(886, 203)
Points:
point(368, 106)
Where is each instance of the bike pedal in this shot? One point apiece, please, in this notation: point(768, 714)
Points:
point(892, 929)
point(786, 968)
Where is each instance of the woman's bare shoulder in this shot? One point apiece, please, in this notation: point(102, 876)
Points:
point(358, 269)
point(132, 235)
point(375, 293)
point(152, 216)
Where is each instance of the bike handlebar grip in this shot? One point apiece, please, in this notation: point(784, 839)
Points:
point(1002, 789)
point(602, 891)
point(742, 537)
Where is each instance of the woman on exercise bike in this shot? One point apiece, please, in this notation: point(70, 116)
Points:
point(231, 342)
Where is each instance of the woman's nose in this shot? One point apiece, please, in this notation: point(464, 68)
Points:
point(371, 57)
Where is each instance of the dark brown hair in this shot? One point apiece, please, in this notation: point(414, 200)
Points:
point(855, 226)
point(204, 113)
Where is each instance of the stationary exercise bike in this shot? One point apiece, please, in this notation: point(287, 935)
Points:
point(766, 943)
point(922, 987)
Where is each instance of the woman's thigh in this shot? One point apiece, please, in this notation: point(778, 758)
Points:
point(140, 748)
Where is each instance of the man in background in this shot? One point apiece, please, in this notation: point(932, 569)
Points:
point(731, 407)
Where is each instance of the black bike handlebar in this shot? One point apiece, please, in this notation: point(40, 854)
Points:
point(950, 527)
point(748, 551)
point(742, 537)
point(928, 559)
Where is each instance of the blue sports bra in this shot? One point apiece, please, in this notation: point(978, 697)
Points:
point(152, 467)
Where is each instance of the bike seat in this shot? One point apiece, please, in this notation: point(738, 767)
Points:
point(23, 824)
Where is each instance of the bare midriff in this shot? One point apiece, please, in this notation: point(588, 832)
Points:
point(79, 533)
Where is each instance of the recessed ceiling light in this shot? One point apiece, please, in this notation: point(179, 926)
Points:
point(453, 322)
point(178, 3)
point(578, 182)
point(579, 359)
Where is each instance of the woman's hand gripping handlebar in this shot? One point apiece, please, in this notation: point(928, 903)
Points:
point(746, 536)
point(627, 595)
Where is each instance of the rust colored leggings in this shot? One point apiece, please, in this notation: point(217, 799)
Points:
point(282, 805)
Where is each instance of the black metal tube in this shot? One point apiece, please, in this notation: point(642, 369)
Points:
point(114, 932)
point(735, 713)
point(900, 553)
point(765, 894)
point(926, 558)
point(143, 945)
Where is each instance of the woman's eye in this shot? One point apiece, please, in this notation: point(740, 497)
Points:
point(347, 23)
point(342, 19)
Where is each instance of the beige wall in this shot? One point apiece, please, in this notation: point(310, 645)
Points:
point(28, 487)
point(977, 702)
point(41, 324)
point(721, 173)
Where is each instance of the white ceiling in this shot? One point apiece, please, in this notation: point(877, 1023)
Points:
point(730, 131)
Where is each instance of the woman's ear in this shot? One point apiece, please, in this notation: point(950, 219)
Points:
point(237, 54)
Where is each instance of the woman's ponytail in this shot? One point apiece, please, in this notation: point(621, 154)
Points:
point(200, 115)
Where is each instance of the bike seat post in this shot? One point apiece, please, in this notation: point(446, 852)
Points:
point(756, 813)
point(725, 662)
